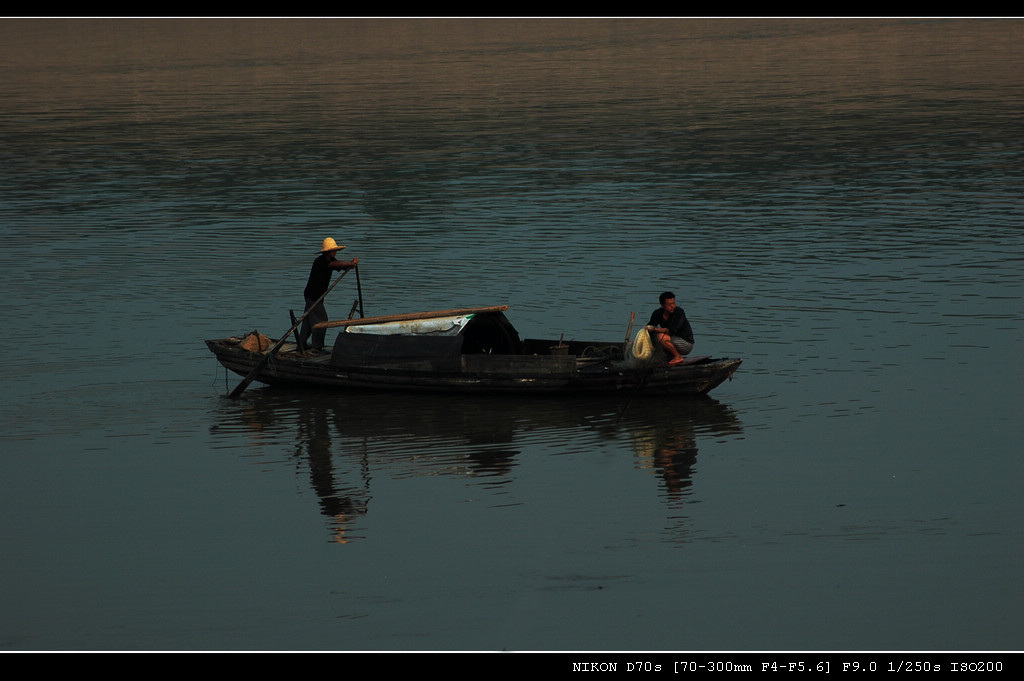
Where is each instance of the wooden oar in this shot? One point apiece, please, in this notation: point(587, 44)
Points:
point(359, 288)
point(629, 332)
point(277, 346)
point(295, 329)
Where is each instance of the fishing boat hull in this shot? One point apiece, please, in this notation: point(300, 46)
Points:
point(478, 353)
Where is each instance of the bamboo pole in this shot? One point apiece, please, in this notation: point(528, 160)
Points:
point(410, 316)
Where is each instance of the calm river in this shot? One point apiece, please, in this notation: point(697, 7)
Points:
point(838, 202)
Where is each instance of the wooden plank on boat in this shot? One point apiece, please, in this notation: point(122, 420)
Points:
point(410, 316)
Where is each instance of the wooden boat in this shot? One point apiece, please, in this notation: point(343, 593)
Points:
point(462, 350)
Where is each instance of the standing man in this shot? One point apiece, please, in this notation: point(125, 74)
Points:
point(319, 280)
point(670, 329)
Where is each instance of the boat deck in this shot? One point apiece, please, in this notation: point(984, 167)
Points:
point(587, 355)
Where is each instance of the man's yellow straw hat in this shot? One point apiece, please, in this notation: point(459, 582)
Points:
point(331, 245)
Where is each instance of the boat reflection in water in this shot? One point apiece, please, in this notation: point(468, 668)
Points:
point(347, 439)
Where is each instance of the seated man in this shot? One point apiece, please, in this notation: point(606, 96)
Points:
point(670, 330)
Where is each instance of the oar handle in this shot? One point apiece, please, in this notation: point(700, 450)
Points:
point(359, 288)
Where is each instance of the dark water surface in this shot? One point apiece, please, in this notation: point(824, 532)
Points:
point(837, 202)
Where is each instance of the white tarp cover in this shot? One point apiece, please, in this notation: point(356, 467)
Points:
point(438, 326)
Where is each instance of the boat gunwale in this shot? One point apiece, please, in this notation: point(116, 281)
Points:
point(294, 368)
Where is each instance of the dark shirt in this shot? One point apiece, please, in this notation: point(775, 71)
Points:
point(320, 276)
point(677, 324)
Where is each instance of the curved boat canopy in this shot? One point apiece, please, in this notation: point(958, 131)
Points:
point(448, 332)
